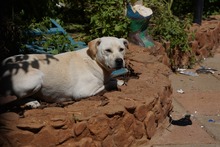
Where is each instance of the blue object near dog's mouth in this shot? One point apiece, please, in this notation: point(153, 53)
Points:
point(119, 72)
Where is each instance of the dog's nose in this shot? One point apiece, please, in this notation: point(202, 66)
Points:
point(119, 62)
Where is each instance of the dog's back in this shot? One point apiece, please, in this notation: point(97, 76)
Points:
point(66, 76)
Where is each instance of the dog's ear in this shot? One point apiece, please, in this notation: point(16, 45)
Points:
point(125, 41)
point(93, 47)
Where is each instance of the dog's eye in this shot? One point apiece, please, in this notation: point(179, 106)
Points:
point(121, 49)
point(108, 50)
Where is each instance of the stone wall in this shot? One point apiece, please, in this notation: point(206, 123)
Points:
point(204, 40)
point(113, 119)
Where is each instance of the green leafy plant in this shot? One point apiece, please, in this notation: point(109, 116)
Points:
point(51, 43)
point(182, 8)
point(96, 18)
point(211, 7)
point(107, 18)
point(166, 27)
point(10, 38)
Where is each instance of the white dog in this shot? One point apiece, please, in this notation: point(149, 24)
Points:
point(62, 77)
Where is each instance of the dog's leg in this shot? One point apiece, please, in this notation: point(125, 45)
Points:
point(21, 85)
point(113, 84)
point(18, 103)
point(26, 102)
point(32, 104)
point(27, 84)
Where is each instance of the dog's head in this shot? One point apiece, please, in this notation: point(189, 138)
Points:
point(108, 52)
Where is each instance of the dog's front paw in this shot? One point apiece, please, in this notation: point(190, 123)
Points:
point(120, 82)
point(32, 104)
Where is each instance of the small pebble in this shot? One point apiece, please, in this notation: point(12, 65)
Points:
point(180, 91)
point(211, 120)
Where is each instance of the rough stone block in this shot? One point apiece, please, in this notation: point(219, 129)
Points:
point(150, 124)
point(80, 127)
point(99, 126)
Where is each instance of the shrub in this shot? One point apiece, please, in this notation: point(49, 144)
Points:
point(97, 18)
point(10, 38)
point(107, 18)
point(166, 27)
point(50, 43)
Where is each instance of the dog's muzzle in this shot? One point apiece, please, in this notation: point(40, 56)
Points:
point(119, 63)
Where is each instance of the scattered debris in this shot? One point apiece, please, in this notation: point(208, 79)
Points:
point(205, 70)
point(185, 72)
point(189, 73)
point(185, 121)
point(211, 120)
point(180, 69)
point(201, 70)
point(180, 91)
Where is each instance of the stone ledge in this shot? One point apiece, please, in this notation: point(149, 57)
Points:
point(204, 40)
point(116, 118)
